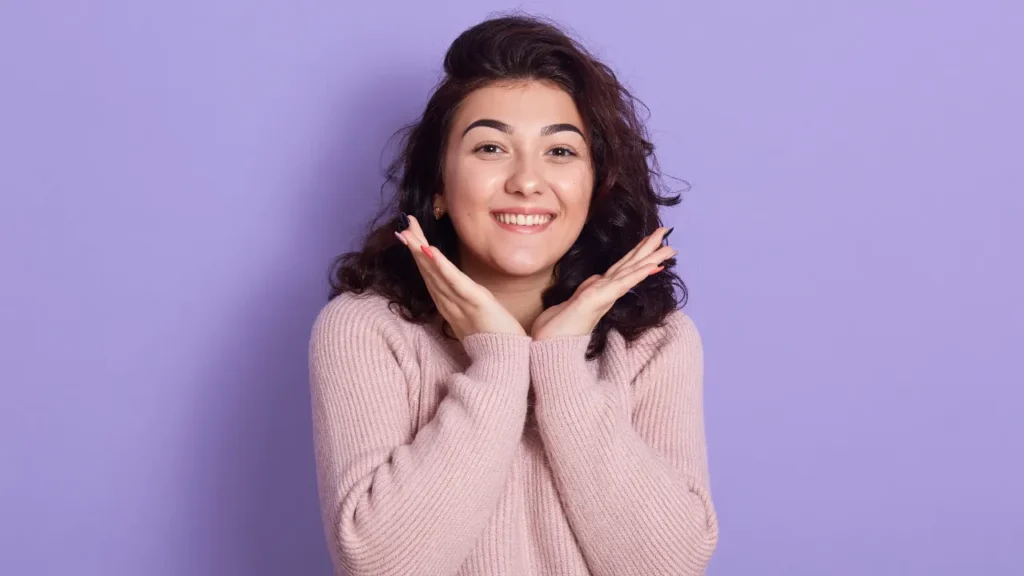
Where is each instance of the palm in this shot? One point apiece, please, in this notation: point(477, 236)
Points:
point(555, 311)
point(579, 315)
point(546, 317)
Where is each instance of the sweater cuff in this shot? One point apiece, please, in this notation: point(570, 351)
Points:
point(498, 357)
point(559, 365)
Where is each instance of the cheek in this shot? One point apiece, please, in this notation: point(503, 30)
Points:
point(470, 184)
point(576, 191)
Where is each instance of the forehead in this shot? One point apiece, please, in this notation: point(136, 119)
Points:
point(526, 104)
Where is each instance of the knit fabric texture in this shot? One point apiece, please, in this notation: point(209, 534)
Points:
point(501, 455)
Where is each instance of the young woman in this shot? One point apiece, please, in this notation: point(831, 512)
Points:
point(502, 380)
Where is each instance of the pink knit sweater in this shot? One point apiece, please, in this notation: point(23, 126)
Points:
point(501, 455)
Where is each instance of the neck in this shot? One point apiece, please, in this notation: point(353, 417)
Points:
point(520, 295)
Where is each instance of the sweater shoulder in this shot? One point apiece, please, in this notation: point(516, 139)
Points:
point(350, 316)
point(678, 327)
point(675, 330)
point(674, 339)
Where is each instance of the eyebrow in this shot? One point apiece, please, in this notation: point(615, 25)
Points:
point(499, 125)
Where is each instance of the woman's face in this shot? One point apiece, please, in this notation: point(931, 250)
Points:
point(517, 178)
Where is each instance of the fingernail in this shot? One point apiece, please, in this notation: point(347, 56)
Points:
point(401, 238)
point(404, 220)
point(426, 250)
point(656, 270)
point(665, 237)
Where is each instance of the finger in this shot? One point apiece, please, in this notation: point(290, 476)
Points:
point(628, 280)
point(628, 277)
point(622, 261)
point(426, 263)
point(651, 244)
point(588, 282)
point(445, 305)
point(642, 248)
point(417, 230)
point(656, 257)
point(461, 284)
point(422, 246)
point(445, 276)
point(410, 239)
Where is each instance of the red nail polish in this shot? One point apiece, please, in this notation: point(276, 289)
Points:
point(426, 250)
point(656, 270)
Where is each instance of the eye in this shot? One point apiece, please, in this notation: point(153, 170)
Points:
point(562, 151)
point(487, 148)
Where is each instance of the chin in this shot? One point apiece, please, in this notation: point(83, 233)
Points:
point(522, 266)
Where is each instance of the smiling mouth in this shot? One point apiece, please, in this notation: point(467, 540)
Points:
point(523, 220)
point(522, 223)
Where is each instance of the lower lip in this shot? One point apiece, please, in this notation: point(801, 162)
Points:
point(523, 229)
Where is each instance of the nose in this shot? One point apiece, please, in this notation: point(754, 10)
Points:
point(525, 178)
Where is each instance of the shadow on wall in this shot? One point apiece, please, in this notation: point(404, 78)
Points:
point(252, 483)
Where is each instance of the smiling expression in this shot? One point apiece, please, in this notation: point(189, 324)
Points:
point(517, 178)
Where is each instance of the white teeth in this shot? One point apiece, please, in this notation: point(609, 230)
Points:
point(522, 220)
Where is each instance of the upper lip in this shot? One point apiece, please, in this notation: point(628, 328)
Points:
point(524, 210)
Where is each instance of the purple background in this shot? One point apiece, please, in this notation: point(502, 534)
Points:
point(176, 177)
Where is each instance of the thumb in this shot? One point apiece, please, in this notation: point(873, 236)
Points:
point(589, 281)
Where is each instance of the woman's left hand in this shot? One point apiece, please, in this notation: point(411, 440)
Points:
point(579, 315)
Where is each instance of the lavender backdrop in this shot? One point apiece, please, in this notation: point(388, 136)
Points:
point(176, 176)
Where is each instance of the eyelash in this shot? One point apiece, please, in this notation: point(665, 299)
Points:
point(568, 150)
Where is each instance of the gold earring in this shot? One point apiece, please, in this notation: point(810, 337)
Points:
point(438, 212)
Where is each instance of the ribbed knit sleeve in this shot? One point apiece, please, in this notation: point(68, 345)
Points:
point(395, 502)
point(634, 483)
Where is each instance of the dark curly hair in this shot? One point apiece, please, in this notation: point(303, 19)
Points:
point(624, 203)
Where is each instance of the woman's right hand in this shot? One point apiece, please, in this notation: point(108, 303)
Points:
point(467, 306)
